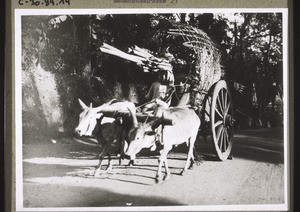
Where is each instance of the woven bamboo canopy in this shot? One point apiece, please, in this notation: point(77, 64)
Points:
point(207, 68)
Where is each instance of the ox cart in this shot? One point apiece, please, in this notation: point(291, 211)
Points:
point(204, 88)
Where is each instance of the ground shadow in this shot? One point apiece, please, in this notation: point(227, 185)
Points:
point(261, 145)
point(75, 196)
point(259, 153)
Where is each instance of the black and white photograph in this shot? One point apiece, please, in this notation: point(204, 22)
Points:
point(151, 109)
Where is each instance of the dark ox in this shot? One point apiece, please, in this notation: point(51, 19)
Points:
point(185, 128)
point(110, 133)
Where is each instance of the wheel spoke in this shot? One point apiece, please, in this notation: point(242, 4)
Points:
point(221, 140)
point(220, 104)
point(229, 132)
point(226, 140)
point(223, 99)
point(227, 108)
point(228, 136)
point(218, 123)
point(219, 133)
point(218, 112)
point(225, 143)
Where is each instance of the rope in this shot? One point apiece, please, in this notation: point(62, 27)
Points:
point(169, 98)
point(153, 100)
point(177, 96)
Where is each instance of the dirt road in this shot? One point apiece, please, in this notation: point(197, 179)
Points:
point(59, 173)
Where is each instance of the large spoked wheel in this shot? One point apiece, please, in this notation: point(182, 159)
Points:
point(221, 117)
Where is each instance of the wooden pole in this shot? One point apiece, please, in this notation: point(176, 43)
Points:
point(140, 117)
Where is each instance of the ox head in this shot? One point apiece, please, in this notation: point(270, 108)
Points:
point(140, 135)
point(88, 118)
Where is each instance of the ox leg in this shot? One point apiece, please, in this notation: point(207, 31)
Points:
point(192, 162)
point(98, 169)
point(158, 174)
point(109, 167)
point(131, 162)
point(190, 157)
point(162, 159)
point(168, 174)
point(124, 146)
point(101, 157)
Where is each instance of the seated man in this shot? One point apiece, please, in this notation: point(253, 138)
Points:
point(159, 93)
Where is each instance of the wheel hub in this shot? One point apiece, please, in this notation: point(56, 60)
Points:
point(228, 120)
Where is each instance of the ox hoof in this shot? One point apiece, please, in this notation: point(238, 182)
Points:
point(167, 177)
point(109, 169)
point(182, 172)
point(191, 167)
point(131, 163)
point(158, 180)
point(98, 173)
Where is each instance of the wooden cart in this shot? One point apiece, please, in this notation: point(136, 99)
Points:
point(208, 91)
point(210, 94)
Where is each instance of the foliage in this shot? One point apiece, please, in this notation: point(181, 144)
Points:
point(68, 45)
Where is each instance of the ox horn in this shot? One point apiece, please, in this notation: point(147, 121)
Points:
point(111, 101)
point(83, 106)
point(99, 108)
point(134, 118)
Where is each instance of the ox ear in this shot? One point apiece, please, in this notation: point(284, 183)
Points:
point(83, 106)
point(99, 115)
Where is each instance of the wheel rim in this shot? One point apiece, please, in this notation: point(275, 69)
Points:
point(222, 120)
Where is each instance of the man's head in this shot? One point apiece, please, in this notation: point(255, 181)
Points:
point(168, 56)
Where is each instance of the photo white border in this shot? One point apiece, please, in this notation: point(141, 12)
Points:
point(18, 107)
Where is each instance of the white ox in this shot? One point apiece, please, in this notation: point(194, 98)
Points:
point(185, 128)
point(111, 132)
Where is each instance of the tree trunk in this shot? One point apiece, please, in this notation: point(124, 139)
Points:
point(183, 17)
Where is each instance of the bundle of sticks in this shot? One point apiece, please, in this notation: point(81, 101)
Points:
point(142, 57)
